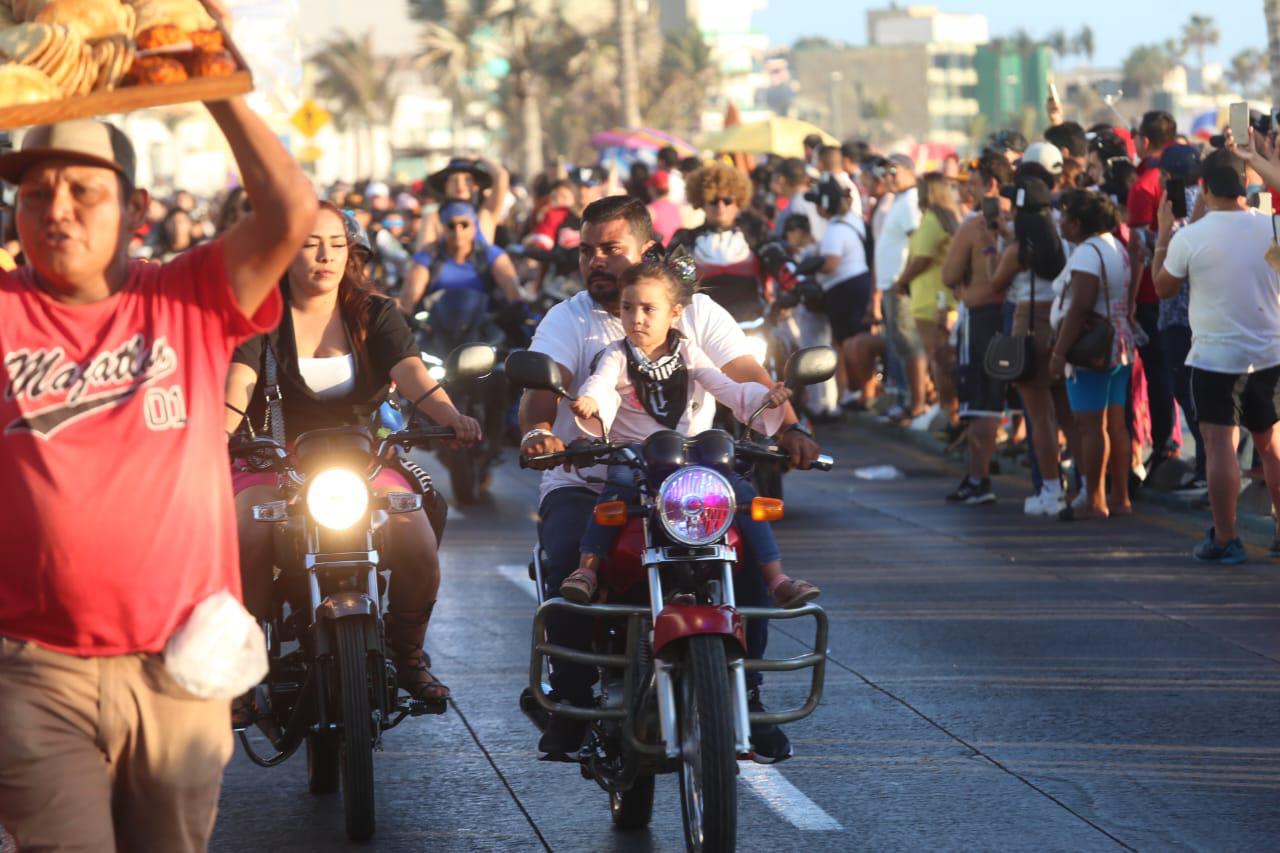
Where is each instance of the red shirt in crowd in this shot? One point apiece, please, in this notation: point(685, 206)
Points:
point(1144, 201)
point(116, 492)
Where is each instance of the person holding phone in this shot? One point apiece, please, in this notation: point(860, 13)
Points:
point(1180, 169)
point(1234, 313)
point(1157, 131)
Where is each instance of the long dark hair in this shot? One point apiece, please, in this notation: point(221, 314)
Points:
point(355, 292)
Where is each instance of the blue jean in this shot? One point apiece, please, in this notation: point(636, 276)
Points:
point(563, 519)
point(1177, 341)
point(1156, 366)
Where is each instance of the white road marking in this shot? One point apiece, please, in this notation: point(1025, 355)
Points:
point(785, 799)
point(519, 575)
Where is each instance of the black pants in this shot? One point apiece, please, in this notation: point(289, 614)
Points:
point(564, 516)
point(1156, 366)
point(1177, 341)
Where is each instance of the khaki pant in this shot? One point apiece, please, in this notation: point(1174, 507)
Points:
point(104, 754)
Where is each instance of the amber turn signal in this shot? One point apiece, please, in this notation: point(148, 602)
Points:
point(766, 509)
point(611, 514)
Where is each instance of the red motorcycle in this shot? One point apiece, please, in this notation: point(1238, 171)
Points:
point(673, 695)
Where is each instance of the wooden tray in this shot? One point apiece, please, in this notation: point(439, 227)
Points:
point(130, 98)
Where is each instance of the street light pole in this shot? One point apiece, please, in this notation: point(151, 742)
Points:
point(837, 113)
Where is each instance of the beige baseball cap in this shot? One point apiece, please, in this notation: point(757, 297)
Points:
point(94, 143)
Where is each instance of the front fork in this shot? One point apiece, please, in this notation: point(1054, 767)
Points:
point(665, 687)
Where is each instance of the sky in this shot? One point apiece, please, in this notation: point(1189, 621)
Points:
point(1117, 26)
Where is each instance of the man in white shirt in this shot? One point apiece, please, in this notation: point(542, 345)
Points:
point(1227, 259)
point(616, 232)
point(901, 335)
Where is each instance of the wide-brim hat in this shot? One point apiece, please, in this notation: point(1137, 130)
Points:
point(475, 168)
point(93, 143)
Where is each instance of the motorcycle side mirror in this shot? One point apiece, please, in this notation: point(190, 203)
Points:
point(535, 371)
point(469, 362)
point(810, 366)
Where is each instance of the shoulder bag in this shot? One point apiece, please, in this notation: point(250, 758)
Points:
point(1092, 349)
point(1012, 358)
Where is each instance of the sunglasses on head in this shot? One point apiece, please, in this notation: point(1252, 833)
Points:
point(460, 225)
point(726, 201)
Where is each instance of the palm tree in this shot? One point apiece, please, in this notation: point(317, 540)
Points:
point(687, 74)
point(1084, 43)
point(1059, 43)
point(630, 81)
point(454, 47)
point(1145, 68)
point(359, 84)
point(1199, 33)
point(1245, 68)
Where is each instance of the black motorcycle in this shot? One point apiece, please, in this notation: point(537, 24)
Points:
point(331, 684)
point(447, 319)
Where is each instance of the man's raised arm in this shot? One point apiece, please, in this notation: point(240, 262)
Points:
point(260, 246)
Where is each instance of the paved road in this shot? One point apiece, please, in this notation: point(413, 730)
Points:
point(996, 682)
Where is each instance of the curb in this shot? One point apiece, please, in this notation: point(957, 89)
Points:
point(924, 440)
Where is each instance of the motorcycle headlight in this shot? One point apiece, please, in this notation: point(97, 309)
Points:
point(696, 505)
point(337, 498)
point(758, 346)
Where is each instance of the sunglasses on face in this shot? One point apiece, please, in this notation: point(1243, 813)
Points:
point(460, 225)
point(726, 201)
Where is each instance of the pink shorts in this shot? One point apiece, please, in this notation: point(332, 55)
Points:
point(388, 480)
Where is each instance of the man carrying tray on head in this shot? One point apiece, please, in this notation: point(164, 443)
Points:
point(118, 518)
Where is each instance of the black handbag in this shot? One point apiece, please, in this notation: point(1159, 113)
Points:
point(1092, 349)
point(1012, 358)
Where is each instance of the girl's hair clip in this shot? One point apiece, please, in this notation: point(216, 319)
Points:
point(682, 265)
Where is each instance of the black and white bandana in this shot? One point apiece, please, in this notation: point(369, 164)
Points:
point(663, 385)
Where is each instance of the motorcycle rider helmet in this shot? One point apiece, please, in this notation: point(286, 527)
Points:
point(358, 237)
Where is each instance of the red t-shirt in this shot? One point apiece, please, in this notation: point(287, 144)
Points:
point(116, 492)
point(1144, 200)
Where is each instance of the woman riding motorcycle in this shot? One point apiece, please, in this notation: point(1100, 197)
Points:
point(337, 350)
point(481, 183)
point(728, 268)
point(459, 259)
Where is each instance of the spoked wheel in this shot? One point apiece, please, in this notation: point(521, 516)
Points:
point(356, 750)
point(322, 762)
point(709, 763)
point(633, 808)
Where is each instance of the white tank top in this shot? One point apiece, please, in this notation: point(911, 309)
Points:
point(329, 378)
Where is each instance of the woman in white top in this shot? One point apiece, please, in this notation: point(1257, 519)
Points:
point(1096, 281)
point(645, 383)
point(1033, 258)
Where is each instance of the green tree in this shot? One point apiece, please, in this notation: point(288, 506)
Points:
point(1058, 42)
point(1198, 34)
point(1245, 68)
point(1145, 68)
point(687, 75)
point(359, 86)
point(1271, 9)
point(1084, 43)
point(454, 48)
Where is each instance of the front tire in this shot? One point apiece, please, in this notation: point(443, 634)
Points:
point(464, 475)
point(709, 761)
point(322, 763)
point(356, 746)
point(633, 808)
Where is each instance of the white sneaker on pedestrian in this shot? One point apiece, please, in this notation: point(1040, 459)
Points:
point(1044, 504)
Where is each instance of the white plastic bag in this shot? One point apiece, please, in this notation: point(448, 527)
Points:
point(219, 652)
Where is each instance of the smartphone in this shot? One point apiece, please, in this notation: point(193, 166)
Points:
point(1176, 190)
point(1240, 122)
point(991, 211)
point(1264, 204)
point(1053, 93)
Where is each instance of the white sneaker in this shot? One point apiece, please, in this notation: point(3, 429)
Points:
point(1044, 504)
